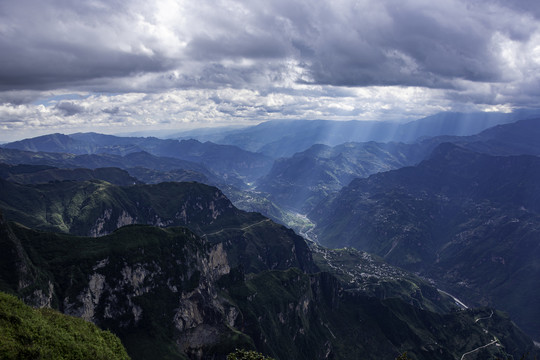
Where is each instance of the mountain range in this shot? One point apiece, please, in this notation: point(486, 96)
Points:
point(303, 180)
point(300, 182)
point(224, 160)
point(465, 219)
point(139, 236)
point(285, 138)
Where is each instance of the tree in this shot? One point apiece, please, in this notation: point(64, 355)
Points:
point(247, 355)
point(403, 357)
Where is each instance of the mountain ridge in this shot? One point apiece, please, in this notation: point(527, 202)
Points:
point(225, 160)
point(456, 211)
point(275, 138)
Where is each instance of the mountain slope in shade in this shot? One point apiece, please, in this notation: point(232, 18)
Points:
point(303, 180)
point(225, 160)
point(169, 294)
point(468, 220)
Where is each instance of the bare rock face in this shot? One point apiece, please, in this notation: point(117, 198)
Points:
point(201, 314)
point(125, 219)
point(185, 275)
point(36, 289)
point(42, 298)
point(98, 228)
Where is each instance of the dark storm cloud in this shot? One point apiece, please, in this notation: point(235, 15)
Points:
point(237, 46)
point(19, 97)
point(56, 44)
point(140, 46)
point(527, 6)
point(112, 111)
point(69, 108)
point(42, 69)
point(401, 43)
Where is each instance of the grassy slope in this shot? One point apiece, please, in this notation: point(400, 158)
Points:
point(27, 333)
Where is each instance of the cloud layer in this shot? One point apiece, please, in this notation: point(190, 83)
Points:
point(144, 63)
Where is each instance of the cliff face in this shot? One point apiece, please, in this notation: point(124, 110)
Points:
point(179, 285)
point(138, 280)
point(19, 274)
point(168, 293)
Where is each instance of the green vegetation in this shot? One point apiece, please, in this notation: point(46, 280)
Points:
point(247, 355)
point(27, 333)
point(97, 208)
point(403, 357)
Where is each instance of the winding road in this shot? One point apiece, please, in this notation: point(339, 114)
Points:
point(243, 228)
point(460, 303)
point(484, 318)
point(478, 348)
point(494, 342)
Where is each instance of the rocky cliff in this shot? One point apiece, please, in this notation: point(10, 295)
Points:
point(168, 293)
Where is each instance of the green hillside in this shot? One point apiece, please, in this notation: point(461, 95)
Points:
point(27, 333)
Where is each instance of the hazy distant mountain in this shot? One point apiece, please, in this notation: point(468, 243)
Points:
point(466, 219)
point(225, 160)
point(284, 138)
point(146, 167)
point(205, 134)
point(301, 181)
point(517, 138)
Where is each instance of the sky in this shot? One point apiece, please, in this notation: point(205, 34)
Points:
point(129, 65)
